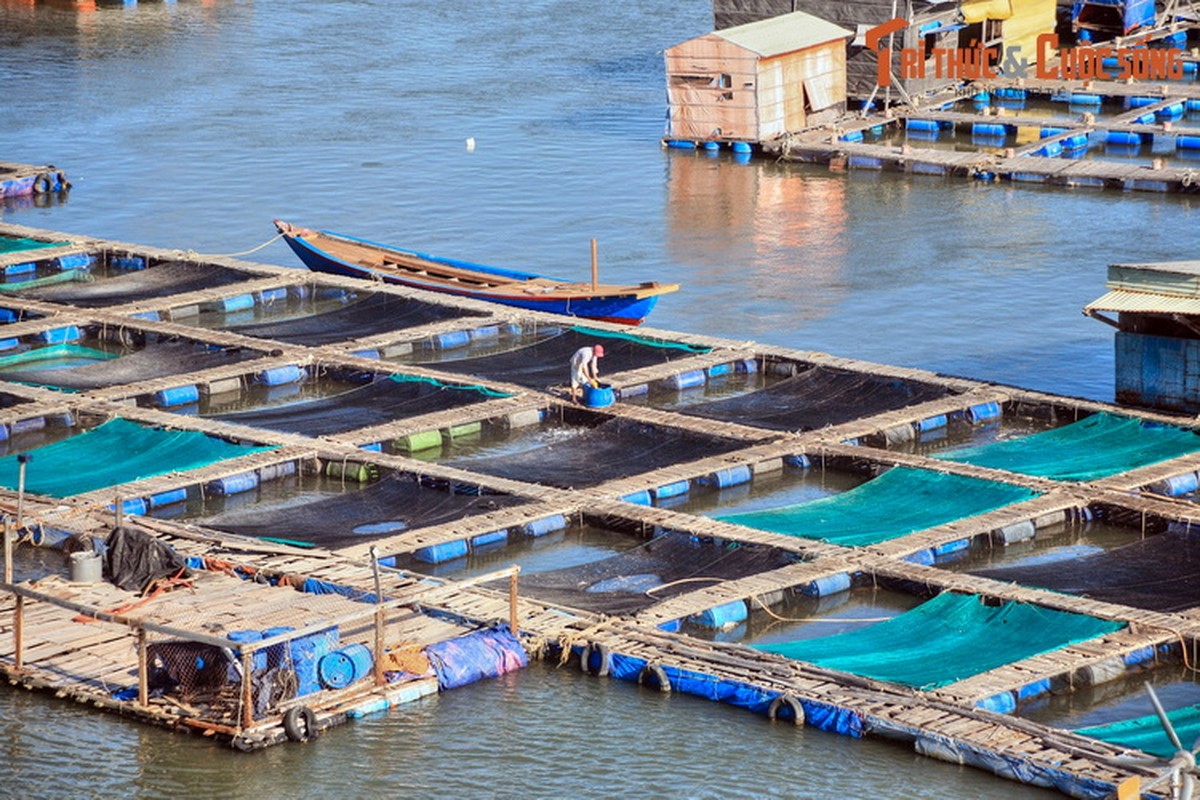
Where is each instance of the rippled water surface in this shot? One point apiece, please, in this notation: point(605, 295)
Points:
point(191, 125)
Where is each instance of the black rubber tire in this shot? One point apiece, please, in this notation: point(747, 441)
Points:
point(300, 724)
point(585, 660)
point(794, 711)
point(652, 675)
point(42, 184)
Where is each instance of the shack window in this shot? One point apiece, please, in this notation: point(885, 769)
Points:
point(724, 81)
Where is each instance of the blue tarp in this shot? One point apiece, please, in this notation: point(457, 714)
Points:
point(483, 654)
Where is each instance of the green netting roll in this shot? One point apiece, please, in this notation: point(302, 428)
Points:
point(477, 388)
point(119, 451)
point(633, 337)
point(1147, 734)
point(945, 640)
point(1096, 447)
point(899, 502)
point(15, 244)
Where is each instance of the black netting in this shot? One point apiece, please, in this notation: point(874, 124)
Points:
point(1161, 573)
point(376, 313)
point(169, 278)
point(616, 448)
point(384, 400)
point(668, 565)
point(546, 363)
point(818, 397)
point(156, 360)
point(392, 505)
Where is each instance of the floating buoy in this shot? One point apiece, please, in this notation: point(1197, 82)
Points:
point(470, 144)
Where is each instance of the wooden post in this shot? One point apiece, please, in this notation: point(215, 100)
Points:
point(512, 600)
point(595, 266)
point(19, 633)
point(247, 688)
point(143, 669)
point(22, 460)
point(8, 537)
point(379, 679)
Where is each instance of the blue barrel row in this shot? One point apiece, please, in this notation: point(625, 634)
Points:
point(221, 487)
point(677, 492)
point(459, 548)
point(688, 144)
point(692, 378)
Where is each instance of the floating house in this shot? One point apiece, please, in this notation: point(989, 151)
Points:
point(754, 82)
point(932, 25)
point(1158, 333)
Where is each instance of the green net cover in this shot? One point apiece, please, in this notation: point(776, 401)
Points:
point(15, 244)
point(69, 276)
point(63, 355)
point(1096, 447)
point(1147, 734)
point(633, 337)
point(116, 452)
point(899, 502)
point(945, 640)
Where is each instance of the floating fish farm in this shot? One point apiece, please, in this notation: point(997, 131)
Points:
point(255, 502)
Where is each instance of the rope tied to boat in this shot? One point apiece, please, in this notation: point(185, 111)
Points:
point(192, 255)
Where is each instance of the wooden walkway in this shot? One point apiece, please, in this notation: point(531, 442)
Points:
point(248, 583)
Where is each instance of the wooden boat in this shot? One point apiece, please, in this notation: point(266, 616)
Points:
point(323, 251)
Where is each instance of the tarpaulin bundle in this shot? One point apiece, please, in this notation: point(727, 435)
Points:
point(482, 654)
point(88, 368)
point(818, 397)
point(388, 399)
point(118, 451)
point(947, 639)
point(1159, 573)
point(134, 558)
point(544, 363)
point(167, 278)
point(669, 564)
point(1095, 447)
point(616, 448)
point(396, 503)
point(898, 502)
point(376, 313)
point(1147, 734)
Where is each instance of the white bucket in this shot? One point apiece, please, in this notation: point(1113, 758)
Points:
point(86, 567)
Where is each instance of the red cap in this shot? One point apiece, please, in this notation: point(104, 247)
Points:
point(598, 351)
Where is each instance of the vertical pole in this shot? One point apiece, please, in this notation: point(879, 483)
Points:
point(379, 617)
point(8, 539)
point(512, 600)
point(143, 669)
point(19, 633)
point(247, 688)
point(595, 265)
point(22, 460)
point(118, 512)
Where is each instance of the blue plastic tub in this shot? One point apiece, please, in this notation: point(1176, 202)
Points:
point(598, 396)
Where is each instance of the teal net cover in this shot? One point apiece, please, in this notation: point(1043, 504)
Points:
point(945, 640)
point(1147, 734)
point(899, 502)
point(15, 244)
point(1096, 447)
point(116, 452)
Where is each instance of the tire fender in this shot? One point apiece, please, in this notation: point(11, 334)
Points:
point(300, 724)
point(786, 708)
point(654, 675)
point(605, 655)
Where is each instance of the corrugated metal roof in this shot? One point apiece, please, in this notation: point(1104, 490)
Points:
point(1145, 303)
point(783, 34)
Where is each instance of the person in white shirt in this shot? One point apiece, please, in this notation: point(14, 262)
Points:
point(585, 369)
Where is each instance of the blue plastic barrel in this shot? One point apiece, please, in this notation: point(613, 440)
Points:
point(932, 423)
point(490, 538)
point(830, 584)
point(1188, 142)
point(1173, 111)
point(134, 506)
point(76, 261)
point(641, 498)
point(983, 98)
point(722, 616)
point(731, 476)
point(169, 497)
point(442, 552)
point(1002, 703)
point(1193, 104)
point(672, 489)
point(1123, 138)
point(177, 396)
point(681, 144)
point(239, 302)
point(1085, 99)
point(1050, 150)
point(275, 653)
point(541, 527)
point(921, 124)
point(851, 136)
point(717, 370)
point(741, 147)
point(306, 653)
point(687, 380)
point(598, 396)
point(1176, 485)
point(988, 129)
point(1076, 141)
point(25, 425)
point(450, 340)
point(1010, 93)
point(748, 366)
point(1138, 101)
point(280, 376)
point(1046, 133)
point(1032, 690)
point(8, 315)
point(272, 295)
point(59, 335)
point(712, 145)
point(127, 262)
point(20, 269)
point(233, 484)
point(799, 461)
point(340, 668)
point(923, 556)
point(485, 333)
point(956, 546)
point(257, 662)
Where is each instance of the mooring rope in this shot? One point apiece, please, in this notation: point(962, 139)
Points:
point(192, 255)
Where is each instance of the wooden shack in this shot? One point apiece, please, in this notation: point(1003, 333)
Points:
point(754, 82)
